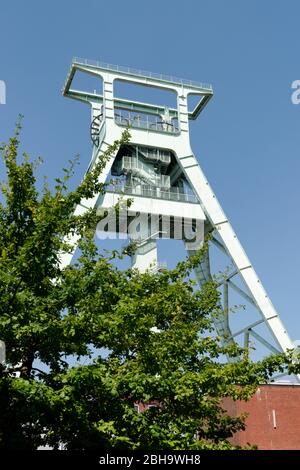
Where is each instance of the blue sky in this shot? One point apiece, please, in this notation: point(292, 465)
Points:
point(248, 138)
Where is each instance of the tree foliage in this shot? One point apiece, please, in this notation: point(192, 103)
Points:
point(48, 313)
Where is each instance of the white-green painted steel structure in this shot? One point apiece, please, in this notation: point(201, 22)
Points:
point(172, 186)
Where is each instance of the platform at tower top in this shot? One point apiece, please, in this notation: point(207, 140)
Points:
point(110, 72)
point(132, 72)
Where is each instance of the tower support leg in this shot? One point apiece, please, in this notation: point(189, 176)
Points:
point(145, 256)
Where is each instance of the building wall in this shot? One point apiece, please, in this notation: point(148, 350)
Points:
point(274, 418)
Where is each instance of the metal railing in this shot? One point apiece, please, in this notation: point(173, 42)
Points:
point(133, 163)
point(154, 193)
point(142, 73)
point(155, 155)
point(159, 126)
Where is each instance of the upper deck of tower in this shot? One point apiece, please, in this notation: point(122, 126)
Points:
point(132, 72)
point(110, 73)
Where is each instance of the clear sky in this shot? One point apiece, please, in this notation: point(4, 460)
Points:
point(247, 140)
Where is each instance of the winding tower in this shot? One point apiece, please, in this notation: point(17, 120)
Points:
point(159, 172)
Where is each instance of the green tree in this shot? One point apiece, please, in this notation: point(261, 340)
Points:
point(48, 313)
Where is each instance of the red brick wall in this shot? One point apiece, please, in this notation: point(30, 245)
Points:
point(274, 418)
